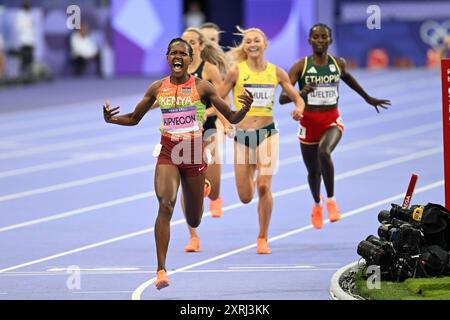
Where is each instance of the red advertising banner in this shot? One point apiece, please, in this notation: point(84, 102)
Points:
point(445, 73)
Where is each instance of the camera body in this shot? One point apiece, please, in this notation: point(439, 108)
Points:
point(400, 239)
point(376, 251)
point(412, 242)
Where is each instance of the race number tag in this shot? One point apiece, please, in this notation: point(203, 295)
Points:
point(263, 94)
point(301, 132)
point(180, 120)
point(324, 95)
point(157, 150)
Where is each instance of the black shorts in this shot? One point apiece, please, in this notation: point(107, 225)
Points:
point(253, 138)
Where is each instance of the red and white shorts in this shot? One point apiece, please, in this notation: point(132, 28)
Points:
point(314, 124)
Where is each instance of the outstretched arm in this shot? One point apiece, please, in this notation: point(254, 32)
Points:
point(133, 118)
point(352, 83)
point(293, 95)
point(207, 90)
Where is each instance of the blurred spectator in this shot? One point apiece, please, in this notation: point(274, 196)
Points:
point(26, 36)
point(194, 16)
point(211, 31)
point(83, 50)
point(377, 59)
point(433, 58)
point(403, 63)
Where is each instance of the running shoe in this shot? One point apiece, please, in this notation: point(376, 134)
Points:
point(193, 245)
point(317, 215)
point(333, 211)
point(262, 247)
point(215, 206)
point(162, 280)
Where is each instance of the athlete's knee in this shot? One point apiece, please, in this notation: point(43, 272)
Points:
point(194, 222)
point(166, 205)
point(324, 152)
point(263, 188)
point(245, 197)
point(314, 176)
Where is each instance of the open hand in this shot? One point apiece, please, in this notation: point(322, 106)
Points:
point(378, 103)
point(108, 113)
point(246, 99)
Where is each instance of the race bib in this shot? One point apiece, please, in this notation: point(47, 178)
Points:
point(323, 95)
point(180, 120)
point(263, 94)
point(301, 132)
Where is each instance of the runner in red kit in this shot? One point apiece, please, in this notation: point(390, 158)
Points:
point(321, 126)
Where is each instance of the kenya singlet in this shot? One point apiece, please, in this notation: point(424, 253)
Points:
point(181, 107)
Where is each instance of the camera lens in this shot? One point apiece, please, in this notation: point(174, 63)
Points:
point(384, 215)
point(387, 232)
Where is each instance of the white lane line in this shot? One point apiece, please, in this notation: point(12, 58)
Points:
point(53, 274)
point(272, 268)
point(386, 116)
point(72, 162)
point(59, 118)
point(390, 117)
point(344, 175)
point(149, 271)
point(50, 121)
point(72, 144)
point(113, 269)
point(134, 150)
point(140, 266)
point(76, 128)
point(275, 264)
point(102, 292)
point(256, 270)
point(26, 118)
point(140, 196)
point(345, 147)
point(83, 127)
point(139, 290)
point(70, 213)
point(84, 248)
point(53, 115)
point(77, 183)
